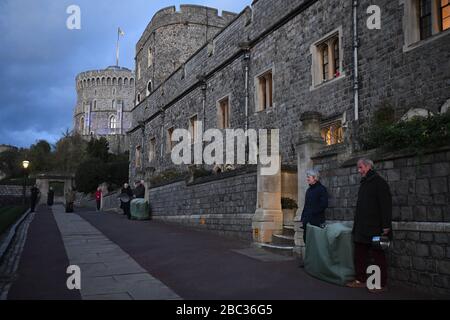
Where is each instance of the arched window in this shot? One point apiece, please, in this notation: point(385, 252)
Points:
point(149, 87)
point(113, 122)
point(120, 81)
point(114, 81)
point(150, 57)
point(103, 81)
point(125, 82)
point(98, 81)
point(132, 82)
point(108, 81)
point(81, 125)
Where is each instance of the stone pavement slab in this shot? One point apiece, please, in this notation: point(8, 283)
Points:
point(107, 272)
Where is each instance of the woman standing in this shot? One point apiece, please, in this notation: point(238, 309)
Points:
point(98, 198)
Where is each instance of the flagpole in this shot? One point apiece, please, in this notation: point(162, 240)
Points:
point(117, 47)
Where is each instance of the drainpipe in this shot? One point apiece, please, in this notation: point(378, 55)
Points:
point(247, 97)
point(247, 62)
point(355, 58)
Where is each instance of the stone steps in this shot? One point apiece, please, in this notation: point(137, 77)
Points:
point(282, 244)
point(283, 250)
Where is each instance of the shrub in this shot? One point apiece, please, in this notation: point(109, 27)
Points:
point(167, 176)
point(288, 203)
point(418, 134)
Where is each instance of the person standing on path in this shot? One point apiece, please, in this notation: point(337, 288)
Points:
point(34, 197)
point(98, 198)
point(50, 197)
point(139, 192)
point(316, 201)
point(373, 218)
point(126, 203)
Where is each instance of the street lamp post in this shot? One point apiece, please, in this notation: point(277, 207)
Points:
point(25, 165)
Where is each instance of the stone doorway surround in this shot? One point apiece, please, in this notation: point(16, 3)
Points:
point(43, 183)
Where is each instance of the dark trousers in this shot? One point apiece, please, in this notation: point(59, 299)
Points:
point(363, 252)
point(33, 205)
point(98, 204)
point(127, 209)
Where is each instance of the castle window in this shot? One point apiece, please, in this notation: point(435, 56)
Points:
point(149, 88)
point(445, 15)
point(150, 58)
point(82, 125)
point(325, 62)
point(113, 122)
point(108, 82)
point(138, 98)
point(125, 82)
point(332, 132)
point(132, 82)
point(152, 150)
point(137, 157)
point(138, 71)
point(223, 113)
point(103, 81)
point(423, 20)
point(170, 143)
point(265, 91)
point(193, 129)
point(114, 81)
point(326, 58)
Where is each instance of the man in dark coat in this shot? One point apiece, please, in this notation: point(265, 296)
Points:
point(316, 201)
point(373, 217)
point(139, 192)
point(125, 205)
point(34, 197)
point(50, 197)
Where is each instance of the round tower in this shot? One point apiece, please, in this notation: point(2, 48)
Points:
point(170, 39)
point(104, 103)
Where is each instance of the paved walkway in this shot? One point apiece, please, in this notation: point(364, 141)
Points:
point(108, 273)
point(123, 259)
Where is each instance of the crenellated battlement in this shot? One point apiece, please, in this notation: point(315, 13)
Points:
point(188, 14)
point(112, 76)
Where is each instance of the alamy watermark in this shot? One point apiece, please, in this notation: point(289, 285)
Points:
point(238, 142)
point(73, 22)
point(74, 280)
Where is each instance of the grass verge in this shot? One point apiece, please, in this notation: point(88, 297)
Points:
point(9, 215)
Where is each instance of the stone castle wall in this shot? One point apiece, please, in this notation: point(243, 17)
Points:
point(280, 37)
point(224, 205)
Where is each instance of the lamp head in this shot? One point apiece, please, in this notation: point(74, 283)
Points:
point(25, 164)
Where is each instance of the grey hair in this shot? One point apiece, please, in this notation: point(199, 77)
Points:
point(313, 173)
point(367, 162)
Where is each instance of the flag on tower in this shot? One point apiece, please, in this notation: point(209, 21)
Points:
point(119, 33)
